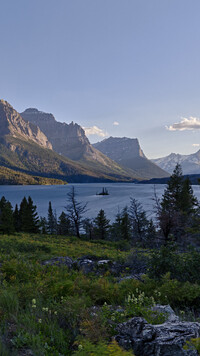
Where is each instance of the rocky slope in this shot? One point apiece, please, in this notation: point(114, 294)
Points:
point(24, 147)
point(68, 140)
point(190, 163)
point(128, 153)
point(11, 123)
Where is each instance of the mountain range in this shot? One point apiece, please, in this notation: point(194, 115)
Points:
point(34, 143)
point(128, 153)
point(190, 163)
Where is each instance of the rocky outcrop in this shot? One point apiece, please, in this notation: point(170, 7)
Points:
point(14, 125)
point(166, 339)
point(128, 153)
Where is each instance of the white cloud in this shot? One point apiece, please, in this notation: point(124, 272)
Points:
point(94, 130)
point(196, 144)
point(115, 123)
point(192, 123)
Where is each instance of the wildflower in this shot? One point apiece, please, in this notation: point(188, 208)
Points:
point(80, 347)
point(55, 313)
point(33, 306)
point(33, 301)
point(39, 321)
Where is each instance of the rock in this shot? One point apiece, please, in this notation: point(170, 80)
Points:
point(59, 261)
point(166, 309)
point(166, 339)
point(138, 277)
point(86, 265)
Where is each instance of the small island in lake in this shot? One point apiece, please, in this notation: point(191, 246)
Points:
point(103, 192)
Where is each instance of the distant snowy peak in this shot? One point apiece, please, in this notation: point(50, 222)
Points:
point(190, 163)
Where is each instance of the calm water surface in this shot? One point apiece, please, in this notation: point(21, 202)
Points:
point(119, 196)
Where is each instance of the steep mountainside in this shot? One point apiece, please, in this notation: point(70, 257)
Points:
point(190, 163)
point(11, 123)
point(128, 153)
point(68, 140)
point(24, 147)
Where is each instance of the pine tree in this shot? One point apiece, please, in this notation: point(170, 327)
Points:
point(139, 222)
point(16, 218)
point(177, 207)
point(101, 225)
point(75, 211)
point(51, 221)
point(64, 226)
point(6, 217)
point(28, 217)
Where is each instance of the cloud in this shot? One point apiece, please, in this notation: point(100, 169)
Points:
point(115, 123)
point(196, 144)
point(94, 130)
point(192, 123)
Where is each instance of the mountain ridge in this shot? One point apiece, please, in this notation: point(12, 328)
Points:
point(190, 163)
point(128, 153)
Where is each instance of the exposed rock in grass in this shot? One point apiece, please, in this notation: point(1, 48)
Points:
point(166, 339)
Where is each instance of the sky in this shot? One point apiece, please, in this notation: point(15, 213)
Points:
point(116, 67)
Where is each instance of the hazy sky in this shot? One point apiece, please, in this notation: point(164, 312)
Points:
point(117, 67)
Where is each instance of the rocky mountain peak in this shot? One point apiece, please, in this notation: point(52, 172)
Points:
point(68, 140)
point(119, 148)
point(13, 124)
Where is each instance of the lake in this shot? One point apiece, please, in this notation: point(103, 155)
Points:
point(119, 196)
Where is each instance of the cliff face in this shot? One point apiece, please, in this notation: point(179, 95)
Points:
point(12, 124)
point(68, 140)
point(120, 148)
point(128, 153)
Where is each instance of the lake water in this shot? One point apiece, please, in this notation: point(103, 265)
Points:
point(119, 196)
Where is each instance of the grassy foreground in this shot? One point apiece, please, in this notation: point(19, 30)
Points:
point(47, 310)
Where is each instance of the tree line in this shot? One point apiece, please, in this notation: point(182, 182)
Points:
point(177, 217)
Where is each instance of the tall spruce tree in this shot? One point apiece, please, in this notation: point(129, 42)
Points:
point(6, 217)
point(28, 217)
point(101, 225)
point(64, 226)
point(177, 207)
point(51, 221)
point(139, 222)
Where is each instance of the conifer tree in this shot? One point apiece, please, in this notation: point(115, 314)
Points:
point(28, 217)
point(139, 221)
point(75, 211)
point(101, 225)
point(177, 207)
point(64, 224)
point(51, 221)
point(6, 217)
point(16, 218)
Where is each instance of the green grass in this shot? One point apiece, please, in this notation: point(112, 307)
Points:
point(46, 309)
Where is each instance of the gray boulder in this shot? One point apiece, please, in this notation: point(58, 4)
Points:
point(59, 261)
point(166, 339)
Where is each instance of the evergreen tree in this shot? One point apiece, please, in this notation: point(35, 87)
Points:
point(88, 227)
point(64, 227)
point(6, 217)
point(28, 217)
point(43, 225)
point(75, 211)
point(101, 225)
point(121, 228)
point(16, 218)
point(139, 222)
point(177, 207)
point(51, 221)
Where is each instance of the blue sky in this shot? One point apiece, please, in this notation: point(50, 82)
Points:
point(117, 67)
